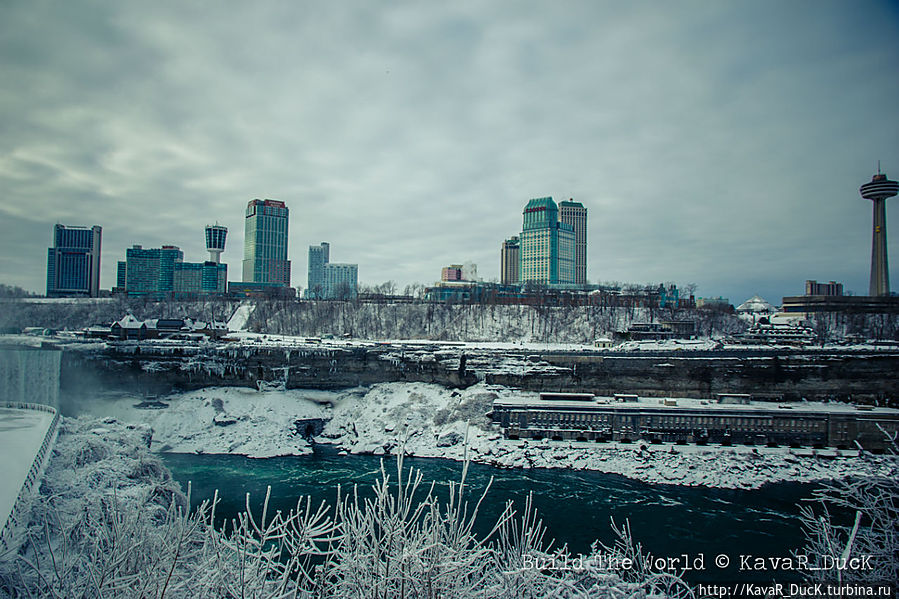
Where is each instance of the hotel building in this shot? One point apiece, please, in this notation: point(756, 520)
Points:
point(265, 243)
point(547, 245)
point(330, 280)
point(574, 214)
point(510, 262)
point(150, 271)
point(73, 263)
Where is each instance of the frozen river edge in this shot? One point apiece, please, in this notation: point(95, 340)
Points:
point(432, 421)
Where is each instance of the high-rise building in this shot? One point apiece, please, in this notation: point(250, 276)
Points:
point(73, 263)
point(319, 255)
point(510, 262)
point(341, 280)
point(151, 271)
point(878, 190)
point(121, 277)
point(192, 279)
point(547, 245)
point(265, 243)
point(215, 241)
point(574, 214)
point(330, 280)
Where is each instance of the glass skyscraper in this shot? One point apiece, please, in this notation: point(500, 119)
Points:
point(265, 243)
point(194, 279)
point(73, 263)
point(151, 271)
point(547, 245)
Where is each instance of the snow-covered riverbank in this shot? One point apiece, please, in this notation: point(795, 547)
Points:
point(431, 421)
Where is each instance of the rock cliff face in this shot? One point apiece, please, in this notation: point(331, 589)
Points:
point(154, 369)
point(815, 375)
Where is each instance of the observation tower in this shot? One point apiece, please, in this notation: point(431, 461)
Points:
point(215, 241)
point(878, 190)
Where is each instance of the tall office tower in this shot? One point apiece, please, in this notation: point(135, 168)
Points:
point(547, 245)
point(151, 272)
point(574, 214)
point(878, 190)
point(265, 243)
point(510, 262)
point(315, 279)
point(73, 263)
point(215, 241)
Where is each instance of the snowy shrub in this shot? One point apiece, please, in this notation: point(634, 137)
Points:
point(474, 408)
point(404, 542)
point(874, 534)
point(151, 469)
point(874, 503)
point(93, 450)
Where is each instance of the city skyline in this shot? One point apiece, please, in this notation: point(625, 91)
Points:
point(720, 145)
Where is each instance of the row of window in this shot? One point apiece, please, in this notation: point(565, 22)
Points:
point(681, 421)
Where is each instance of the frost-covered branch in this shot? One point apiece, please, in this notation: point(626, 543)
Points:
point(405, 541)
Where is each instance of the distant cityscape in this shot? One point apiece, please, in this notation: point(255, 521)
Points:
point(550, 251)
point(546, 263)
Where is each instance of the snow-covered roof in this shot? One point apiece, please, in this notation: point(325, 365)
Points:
point(679, 404)
point(755, 304)
point(130, 322)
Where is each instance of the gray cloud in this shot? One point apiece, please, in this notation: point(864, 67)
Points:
point(718, 143)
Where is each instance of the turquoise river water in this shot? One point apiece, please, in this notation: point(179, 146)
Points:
point(576, 506)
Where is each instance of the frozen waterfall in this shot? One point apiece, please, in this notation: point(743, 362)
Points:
point(30, 375)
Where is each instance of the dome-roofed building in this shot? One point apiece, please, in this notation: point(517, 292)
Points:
point(756, 305)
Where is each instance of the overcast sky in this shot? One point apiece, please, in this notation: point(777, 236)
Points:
point(716, 143)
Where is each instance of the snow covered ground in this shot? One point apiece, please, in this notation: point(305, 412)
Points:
point(432, 421)
point(238, 321)
point(219, 420)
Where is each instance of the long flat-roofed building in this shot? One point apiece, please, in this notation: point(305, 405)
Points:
point(727, 419)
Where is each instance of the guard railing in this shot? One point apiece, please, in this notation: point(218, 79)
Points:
point(34, 473)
